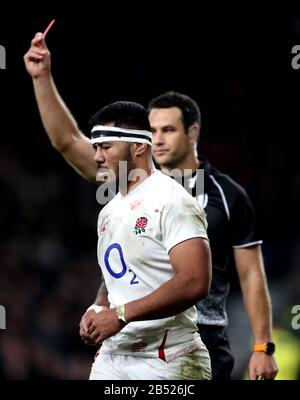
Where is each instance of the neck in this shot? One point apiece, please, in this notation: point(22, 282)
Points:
point(182, 168)
point(135, 177)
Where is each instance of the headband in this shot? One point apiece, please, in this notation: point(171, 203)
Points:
point(101, 133)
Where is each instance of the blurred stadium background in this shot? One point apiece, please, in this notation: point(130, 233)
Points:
point(240, 74)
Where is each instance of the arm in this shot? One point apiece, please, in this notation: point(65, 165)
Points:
point(250, 268)
point(59, 124)
point(101, 300)
point(102, 295)
point(190, 284)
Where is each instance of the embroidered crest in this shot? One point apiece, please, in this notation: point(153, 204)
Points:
point(140, 225)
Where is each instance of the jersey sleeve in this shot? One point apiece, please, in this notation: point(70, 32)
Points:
point(243, 222)
point(181, 220)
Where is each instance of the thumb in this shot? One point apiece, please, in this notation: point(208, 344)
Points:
point(86, 320)
point(39, 41)
point(84, 324)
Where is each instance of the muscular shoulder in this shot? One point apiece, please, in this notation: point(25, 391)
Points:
point(173, 195)
point(169, 188)
point(233, 192)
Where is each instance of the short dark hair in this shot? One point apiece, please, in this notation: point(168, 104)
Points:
point(189, 108)
point(123, 114)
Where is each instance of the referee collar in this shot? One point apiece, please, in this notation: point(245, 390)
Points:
point(204, 164)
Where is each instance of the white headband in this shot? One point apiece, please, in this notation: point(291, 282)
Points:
point(104, 133)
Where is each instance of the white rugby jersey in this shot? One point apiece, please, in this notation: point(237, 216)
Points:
point(136, 232)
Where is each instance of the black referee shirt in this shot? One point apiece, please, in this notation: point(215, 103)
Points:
point(231, 225)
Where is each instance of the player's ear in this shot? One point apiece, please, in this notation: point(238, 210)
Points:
point(139, 149)
point(193, 133)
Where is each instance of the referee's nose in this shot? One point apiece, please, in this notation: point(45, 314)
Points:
point(157, 137)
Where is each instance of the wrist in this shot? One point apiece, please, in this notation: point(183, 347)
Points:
point(262, 338)
point(96, 308)
point(120, 310)
point(42, 76)
point(266, 347)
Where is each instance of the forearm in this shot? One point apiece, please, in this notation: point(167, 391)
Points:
point(190, 283)
point(102, 296)
point(258, 305)
point(173, 297)
point(62, 128)
point(59, 124)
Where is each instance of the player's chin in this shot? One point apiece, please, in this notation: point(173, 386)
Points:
point(105, 177)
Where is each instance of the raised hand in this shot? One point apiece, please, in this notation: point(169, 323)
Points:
point(38, 59)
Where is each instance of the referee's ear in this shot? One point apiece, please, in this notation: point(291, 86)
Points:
point(193, 133)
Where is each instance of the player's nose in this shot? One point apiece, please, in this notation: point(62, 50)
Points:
point(99, 156)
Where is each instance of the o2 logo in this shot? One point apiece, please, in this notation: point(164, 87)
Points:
point(124, 270)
